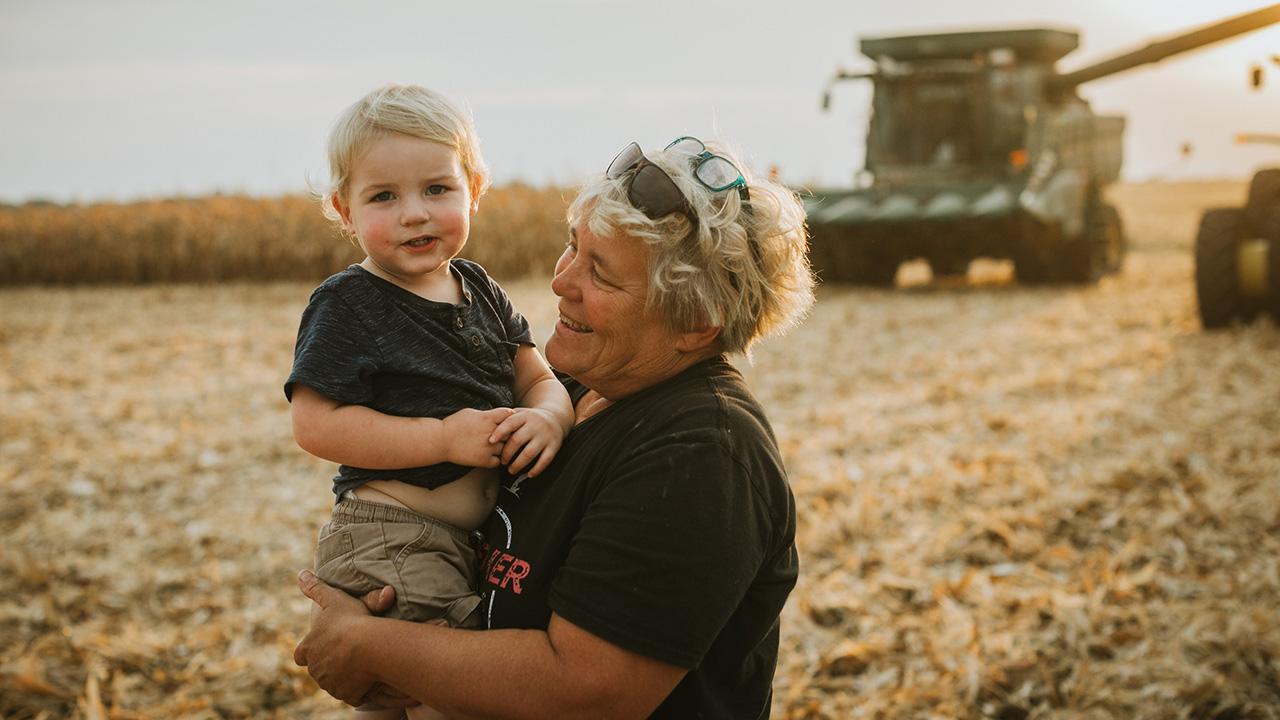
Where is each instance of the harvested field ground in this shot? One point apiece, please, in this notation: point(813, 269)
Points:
point(1014, 502)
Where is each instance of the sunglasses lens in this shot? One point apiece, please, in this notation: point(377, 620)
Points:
point(653, 192)
point(626, 160)
point(688, 145)
point(718, 174)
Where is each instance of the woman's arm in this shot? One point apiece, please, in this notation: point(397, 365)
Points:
point(563, 672)
point(361, 437)
point(537, 428)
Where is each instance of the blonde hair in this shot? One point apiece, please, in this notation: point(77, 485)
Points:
point(742, 269)
point(396, 109)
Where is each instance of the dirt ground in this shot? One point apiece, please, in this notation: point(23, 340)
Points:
point(1014, 502)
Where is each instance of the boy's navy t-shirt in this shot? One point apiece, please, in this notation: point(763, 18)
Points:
point(366, 341)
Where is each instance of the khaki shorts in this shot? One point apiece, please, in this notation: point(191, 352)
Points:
point(431, 564)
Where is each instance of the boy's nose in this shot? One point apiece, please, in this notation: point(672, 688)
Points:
point(414, 211)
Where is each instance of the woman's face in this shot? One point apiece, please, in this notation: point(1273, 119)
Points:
point(605, 338)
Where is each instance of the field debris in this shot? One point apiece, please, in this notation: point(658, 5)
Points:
point(1014, 502)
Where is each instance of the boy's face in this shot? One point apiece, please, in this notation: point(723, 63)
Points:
point(409, 204)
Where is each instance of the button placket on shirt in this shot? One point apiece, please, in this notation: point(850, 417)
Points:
point(459, 323)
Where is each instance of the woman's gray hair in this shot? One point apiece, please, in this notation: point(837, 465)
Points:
point(742, 269)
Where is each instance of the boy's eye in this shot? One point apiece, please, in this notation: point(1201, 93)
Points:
point(437, 190)
point(381, 197)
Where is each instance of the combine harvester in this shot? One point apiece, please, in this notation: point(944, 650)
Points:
point(978, 147)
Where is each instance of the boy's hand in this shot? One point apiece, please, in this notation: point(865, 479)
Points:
point(470, 436)
point(529, 435)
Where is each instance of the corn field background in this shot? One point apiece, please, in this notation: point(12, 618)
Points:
point(1013, 502)
point(518, 232)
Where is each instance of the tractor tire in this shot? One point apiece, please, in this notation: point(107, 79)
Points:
point(949, 266)
point(1080, 262)
point(1098, 251)
point(1030, 270)
point(873, 269)
point(822, 256)
point(1030, 253)
point(1116, 243)
point(1264, 198)
point(842, 256)
point(1271, 233)
point(1217, 267)
point(832, 253)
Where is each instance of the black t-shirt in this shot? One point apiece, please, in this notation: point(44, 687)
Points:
point(665, 525)
point(366, 341)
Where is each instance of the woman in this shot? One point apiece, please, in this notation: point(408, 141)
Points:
point(643, 573)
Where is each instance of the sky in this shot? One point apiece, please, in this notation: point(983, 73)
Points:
point(129, 99)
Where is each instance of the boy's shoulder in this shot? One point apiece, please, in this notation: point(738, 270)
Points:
point(354, 286)
point(475, 276)
point(352, 276)
point(470, 270)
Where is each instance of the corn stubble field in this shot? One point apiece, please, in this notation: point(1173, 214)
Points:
point(1014, 502)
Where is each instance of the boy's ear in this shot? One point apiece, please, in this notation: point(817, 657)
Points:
point(475, 195)
point(343, 212)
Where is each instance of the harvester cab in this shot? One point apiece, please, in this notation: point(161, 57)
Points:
point(978, 147)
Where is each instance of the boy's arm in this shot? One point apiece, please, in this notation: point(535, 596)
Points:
point(535, 431)
point(361, 437)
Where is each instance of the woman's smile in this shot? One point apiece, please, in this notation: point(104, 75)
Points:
point(576, 327)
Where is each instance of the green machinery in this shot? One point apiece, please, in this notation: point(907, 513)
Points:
point(978, 147)
point(1237, 250)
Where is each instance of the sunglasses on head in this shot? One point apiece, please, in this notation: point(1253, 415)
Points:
point(654, 193)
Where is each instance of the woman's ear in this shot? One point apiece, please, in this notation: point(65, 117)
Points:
point(697, 339)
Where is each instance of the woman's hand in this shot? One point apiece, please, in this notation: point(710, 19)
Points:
point(328, 648)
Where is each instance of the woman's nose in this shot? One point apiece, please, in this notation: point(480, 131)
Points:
point(562, 283)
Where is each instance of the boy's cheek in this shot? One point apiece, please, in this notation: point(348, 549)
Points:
point(380, 227)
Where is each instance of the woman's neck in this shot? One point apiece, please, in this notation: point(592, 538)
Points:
point(640, 375)
point(593, 400)
point(589, 404)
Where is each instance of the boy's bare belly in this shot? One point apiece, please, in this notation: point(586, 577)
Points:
point(464, 503)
